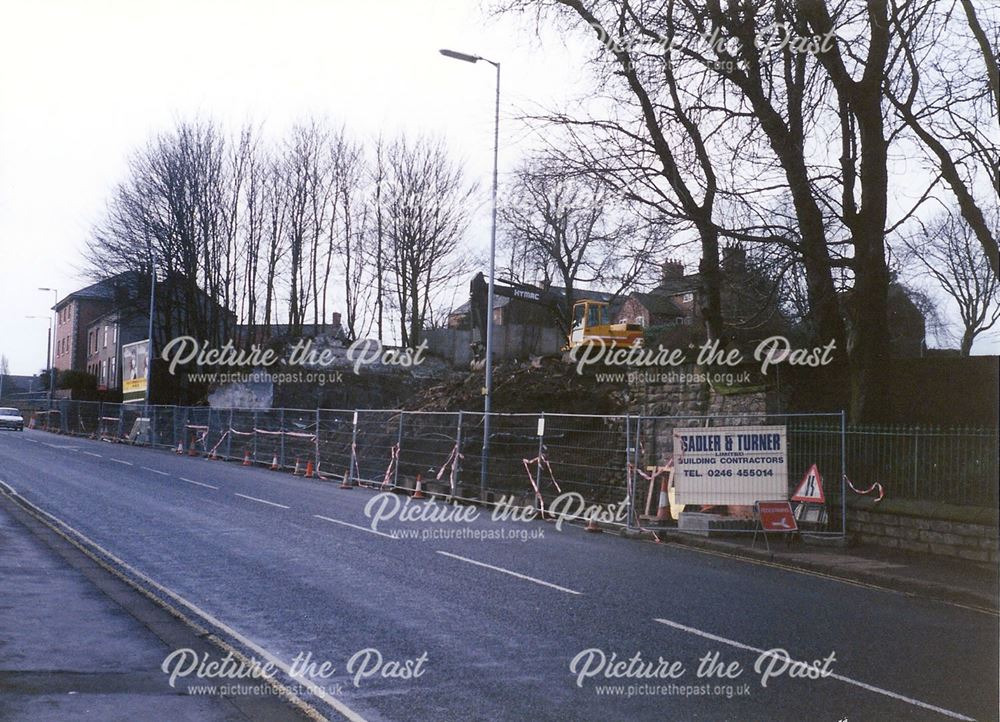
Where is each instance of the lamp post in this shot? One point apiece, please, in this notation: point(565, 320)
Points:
point(149, 340)
point(52, 343)
point(48, 350)
point(488, 388)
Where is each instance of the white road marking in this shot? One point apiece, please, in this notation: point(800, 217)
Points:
point(262, 501)
point(192, 481)
point(155, 471)
point(91, 453)
point(355, 526)
point(508, 571)
point(841, 678)
point(119, 461)
point(67, 447)
point(316, 689)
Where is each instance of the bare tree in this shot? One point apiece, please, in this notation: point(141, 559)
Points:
point(572, 231)
point(947, 249)
point(426, 204)
point(946, 93)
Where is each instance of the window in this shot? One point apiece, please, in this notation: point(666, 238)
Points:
point(105, 336)
point(111, 372)
point(593, 315)
point(688, 297)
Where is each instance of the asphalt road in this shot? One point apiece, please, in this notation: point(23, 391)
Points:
point(293, 566)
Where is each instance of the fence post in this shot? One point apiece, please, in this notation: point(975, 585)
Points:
point(152, 428)
point(121, 420)
point(281, 438)
point(916, 468)
point(253, 439)
point(316, 443)
point(629, 478)
point(457, 464)
point(354, 447)
point(399, 451)
point(538, 467)
point(229, 438)
point(843, 474)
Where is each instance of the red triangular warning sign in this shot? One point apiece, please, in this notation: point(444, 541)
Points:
point(811, 487)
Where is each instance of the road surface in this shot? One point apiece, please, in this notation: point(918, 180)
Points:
point(502, 628)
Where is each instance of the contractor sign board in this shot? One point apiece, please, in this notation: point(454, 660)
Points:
point(730, 465)
point(134, 372)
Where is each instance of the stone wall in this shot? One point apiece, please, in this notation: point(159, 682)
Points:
point(682, 391)
point(940, 537)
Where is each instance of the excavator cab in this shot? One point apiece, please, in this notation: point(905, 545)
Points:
point(591, 322)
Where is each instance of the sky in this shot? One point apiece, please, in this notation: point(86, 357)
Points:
point(82, 84)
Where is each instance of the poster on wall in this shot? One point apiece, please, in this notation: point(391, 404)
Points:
point(731, 465)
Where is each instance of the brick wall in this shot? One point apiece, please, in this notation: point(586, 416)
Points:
point(956, 539)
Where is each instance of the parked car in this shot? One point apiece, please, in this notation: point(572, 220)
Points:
point(11, 419)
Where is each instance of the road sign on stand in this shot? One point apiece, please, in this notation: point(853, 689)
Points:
point(810, 489)
point(774, 516)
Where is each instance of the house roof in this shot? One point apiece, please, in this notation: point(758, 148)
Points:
point(580, 294)
point(101, 291)
point(658, 303)
point(684, 284)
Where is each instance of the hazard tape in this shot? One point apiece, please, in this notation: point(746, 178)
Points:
point(218, 444)
point(540, 459)
point(393, 460)
point(630, 483)
point(452, 461)
point(296, 434)
point(876, 486)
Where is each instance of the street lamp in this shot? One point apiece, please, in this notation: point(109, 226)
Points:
point(48, 351)
point(52, 344)
point(488, 389)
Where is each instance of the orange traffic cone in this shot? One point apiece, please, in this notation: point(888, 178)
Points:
point(309, 469)
point(246, 458)
point(192, 450)
point(418, 492)
point(296, 471)
point(663, 508)
point(592, 526)
point(274, 463)
point(346, 483)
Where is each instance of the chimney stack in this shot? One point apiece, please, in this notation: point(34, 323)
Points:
point(672, 269)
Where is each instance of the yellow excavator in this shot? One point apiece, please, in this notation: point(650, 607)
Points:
point(591, 319)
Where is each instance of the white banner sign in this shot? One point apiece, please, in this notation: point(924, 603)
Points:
point(730, 465)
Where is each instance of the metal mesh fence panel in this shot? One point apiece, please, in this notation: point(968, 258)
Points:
point(377, 439)
point(335, 432)
point(604, 459)
point(428, 445)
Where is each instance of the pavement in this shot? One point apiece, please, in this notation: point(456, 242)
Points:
point(78, 643)
point(503, 619)
point(952, 580)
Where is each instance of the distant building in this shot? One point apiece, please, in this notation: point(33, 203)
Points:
point(74, 315)
point(105, 337)
point(93, 323)
point(749, 308)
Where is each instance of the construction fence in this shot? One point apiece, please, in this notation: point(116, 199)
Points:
point(608, 460)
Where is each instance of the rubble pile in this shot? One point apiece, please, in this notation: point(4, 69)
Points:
point(545, 384)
